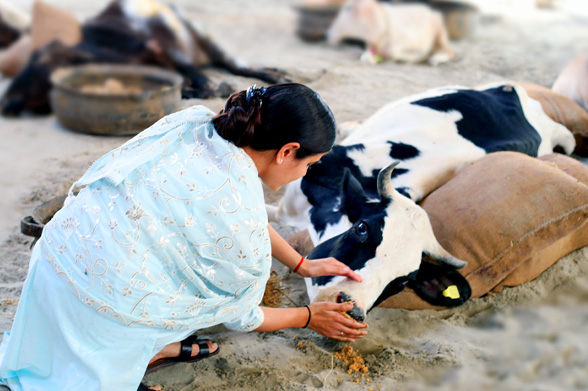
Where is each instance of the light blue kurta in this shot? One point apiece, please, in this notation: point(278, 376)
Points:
point(168, 235)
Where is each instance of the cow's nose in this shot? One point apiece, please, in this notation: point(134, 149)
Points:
point(356, 312)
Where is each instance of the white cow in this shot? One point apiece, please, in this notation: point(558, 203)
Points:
point(400, 32)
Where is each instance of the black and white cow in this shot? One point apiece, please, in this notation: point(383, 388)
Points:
point(431, 136)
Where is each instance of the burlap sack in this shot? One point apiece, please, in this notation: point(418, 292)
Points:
point(510, 217)
point(52, 23)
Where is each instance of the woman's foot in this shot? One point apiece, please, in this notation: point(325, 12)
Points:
point(173, 350)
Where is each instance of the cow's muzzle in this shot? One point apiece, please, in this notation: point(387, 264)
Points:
point(356, 313)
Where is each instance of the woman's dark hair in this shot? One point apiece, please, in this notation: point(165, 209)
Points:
point(279, 115)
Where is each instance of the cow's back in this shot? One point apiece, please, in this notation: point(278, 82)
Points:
point(412, 31)
point(492, 119)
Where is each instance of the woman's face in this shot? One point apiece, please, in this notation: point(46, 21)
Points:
point(287, 169)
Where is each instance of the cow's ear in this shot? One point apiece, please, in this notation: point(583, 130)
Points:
point(440, 285)
point(352, 196)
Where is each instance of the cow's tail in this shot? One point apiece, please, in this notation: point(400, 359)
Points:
point(553, 134)
point(562, 137)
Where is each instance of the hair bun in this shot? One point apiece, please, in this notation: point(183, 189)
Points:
point(254, 95)
point(241, 116)
point(291, 112)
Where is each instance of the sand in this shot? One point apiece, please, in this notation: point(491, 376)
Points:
point(532, 337)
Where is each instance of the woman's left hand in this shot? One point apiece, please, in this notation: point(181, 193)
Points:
point(327, 267)
point(327, 319)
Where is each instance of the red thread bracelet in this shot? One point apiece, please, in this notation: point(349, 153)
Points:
point(299, 263)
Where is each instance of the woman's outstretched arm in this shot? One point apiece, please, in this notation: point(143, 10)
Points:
point(325, 318)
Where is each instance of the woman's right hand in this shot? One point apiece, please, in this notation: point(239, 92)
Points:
point(328, 319)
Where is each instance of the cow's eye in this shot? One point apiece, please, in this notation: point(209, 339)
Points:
point(362, 228)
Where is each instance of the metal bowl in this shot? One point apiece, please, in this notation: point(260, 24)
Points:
point(33, 225)
point(117, 100)
point(459, 17)
point(314, 21)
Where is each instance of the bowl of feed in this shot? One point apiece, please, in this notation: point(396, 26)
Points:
point(115, 100)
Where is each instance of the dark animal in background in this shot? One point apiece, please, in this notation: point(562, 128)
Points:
point(128, 32)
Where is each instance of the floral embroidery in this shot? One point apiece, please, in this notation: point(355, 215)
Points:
point(168, 221)
point(185, 245)
point(189, 221)
point(198, 150)
point(134, 212)
point(69, 224)
point(195, 307)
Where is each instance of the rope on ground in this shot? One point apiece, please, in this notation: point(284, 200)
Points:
point(332, 366)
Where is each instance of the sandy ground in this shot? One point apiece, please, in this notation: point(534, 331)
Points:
point(532, 337)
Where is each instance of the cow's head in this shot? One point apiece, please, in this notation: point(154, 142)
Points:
point(359, 20)
point(385, 246)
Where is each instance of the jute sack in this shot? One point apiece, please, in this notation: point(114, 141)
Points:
point(510, 216)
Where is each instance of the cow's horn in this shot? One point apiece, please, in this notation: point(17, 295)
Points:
point(452, 261)
point(385, 187)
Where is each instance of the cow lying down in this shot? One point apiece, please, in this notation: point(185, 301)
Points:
point(398, 32)
point(369, 218)
point(148, 32)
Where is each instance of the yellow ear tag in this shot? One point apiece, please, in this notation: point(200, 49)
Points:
point(378, 59)
point(452, 292)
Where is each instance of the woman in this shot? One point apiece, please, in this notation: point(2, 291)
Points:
point(169, 235)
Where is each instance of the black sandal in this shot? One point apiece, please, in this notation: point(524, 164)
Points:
point(185, 354)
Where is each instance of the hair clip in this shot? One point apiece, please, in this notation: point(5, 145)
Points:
point(253, 91)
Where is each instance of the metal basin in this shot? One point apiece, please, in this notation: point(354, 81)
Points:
point(314, 21)
point(117, 100)
point(33, 225)
point(459, 17)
